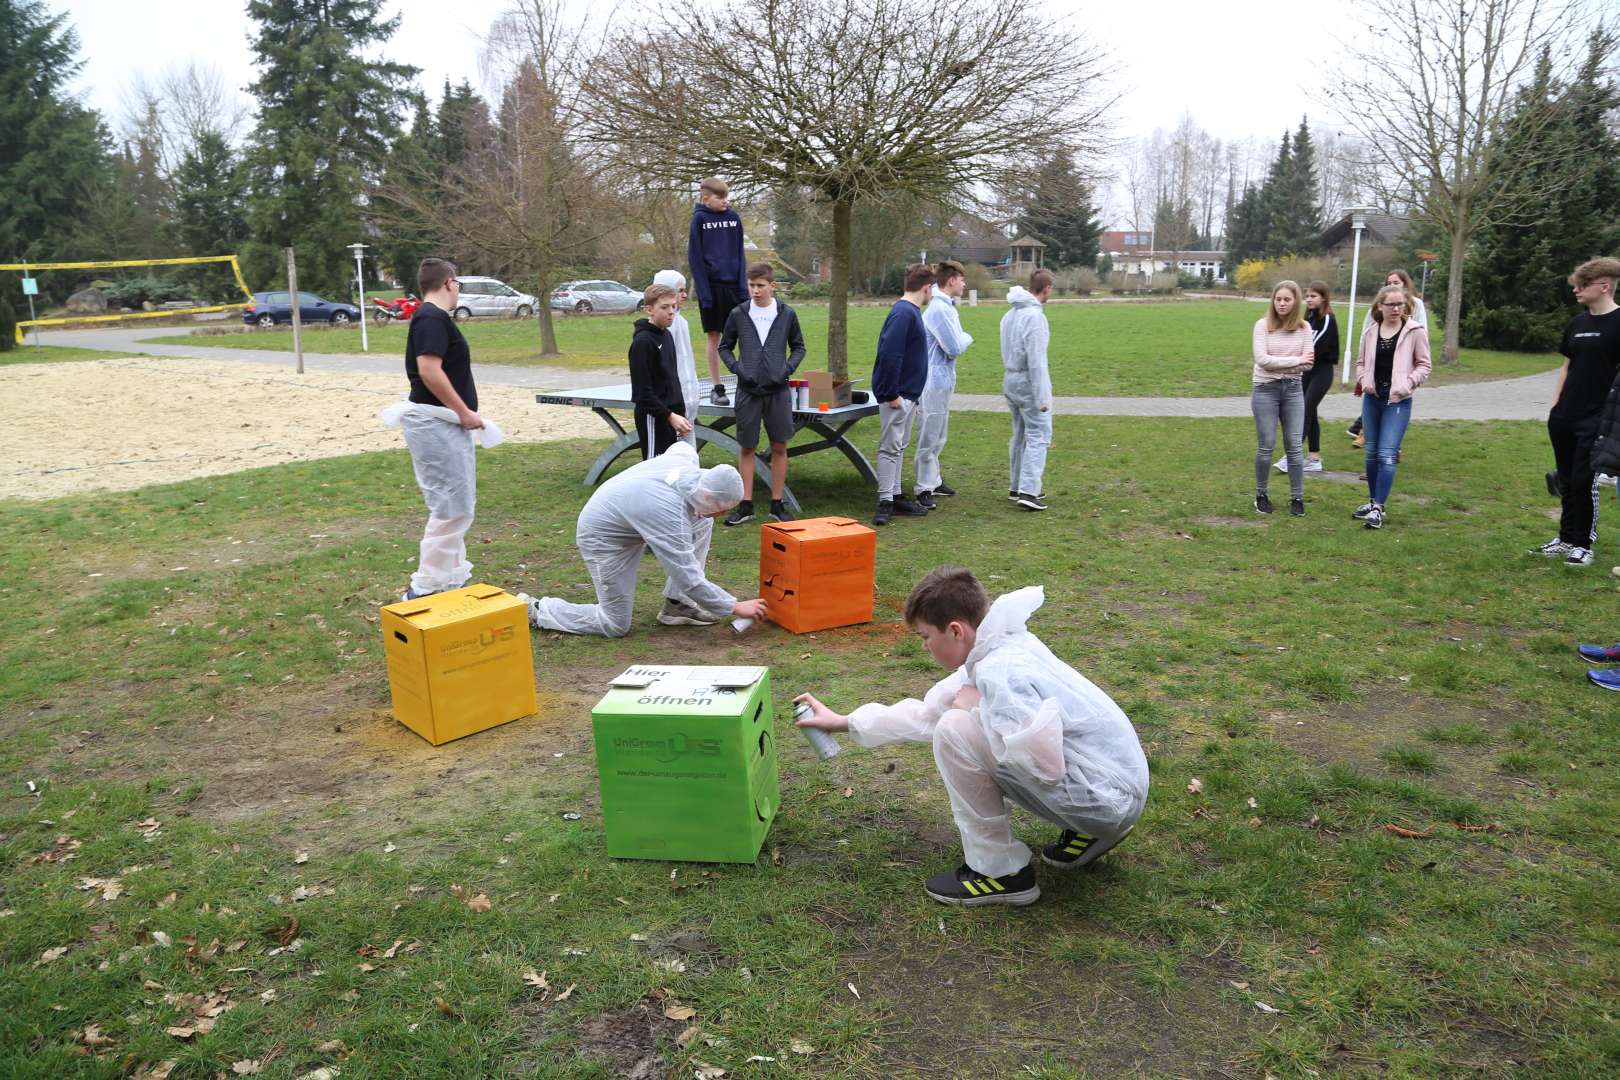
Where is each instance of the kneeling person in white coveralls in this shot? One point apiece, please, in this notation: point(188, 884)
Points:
point(667, 503)
point(1014, 723)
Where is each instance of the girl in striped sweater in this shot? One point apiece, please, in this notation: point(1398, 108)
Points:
point(1283, 352)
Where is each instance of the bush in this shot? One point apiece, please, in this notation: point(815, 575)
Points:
point(978, 277)
point(1188, 280)
point(1250, 275)
point(134, 292)
point(1079, 281)
point(1514, 329)
point(804, 290)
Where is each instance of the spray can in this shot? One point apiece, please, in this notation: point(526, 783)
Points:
point(820, 741)
point(742, 626)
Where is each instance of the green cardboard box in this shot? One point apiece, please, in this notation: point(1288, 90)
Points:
point(686, 757)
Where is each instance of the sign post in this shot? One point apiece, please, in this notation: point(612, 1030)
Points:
point(297, 323)
point(31, 290)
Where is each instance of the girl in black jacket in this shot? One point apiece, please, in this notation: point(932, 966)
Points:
point(1319, 380)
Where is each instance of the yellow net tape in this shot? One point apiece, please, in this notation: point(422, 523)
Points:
point(193, 260)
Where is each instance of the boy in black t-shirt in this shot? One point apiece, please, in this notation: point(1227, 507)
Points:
point(1591, 351)
point(438, 429)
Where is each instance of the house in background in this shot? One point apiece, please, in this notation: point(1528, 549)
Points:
point(1383, 230)
point(1131, 252)
point(975, 240)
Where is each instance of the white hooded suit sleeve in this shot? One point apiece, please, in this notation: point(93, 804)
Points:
point(944, 322)
point(1040, 377)
point(910, 720)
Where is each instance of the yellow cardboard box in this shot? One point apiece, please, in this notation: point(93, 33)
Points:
point(458, 661)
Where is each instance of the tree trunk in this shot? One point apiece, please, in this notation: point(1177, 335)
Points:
point(1454, 279)
point(838, 302)
point(548, 332)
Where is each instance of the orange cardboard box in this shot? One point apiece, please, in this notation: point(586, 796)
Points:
point(459, 661)
point(817, 573)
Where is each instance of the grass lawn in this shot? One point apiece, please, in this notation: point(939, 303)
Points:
point(50, 354)
point(1191, 349)
point(229, 827)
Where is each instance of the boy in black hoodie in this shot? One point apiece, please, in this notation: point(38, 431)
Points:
point(714, 250)
point(655, 381)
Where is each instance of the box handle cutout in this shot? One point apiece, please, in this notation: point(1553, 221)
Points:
point(758, 711)
point(778, 545)
point(402, 637)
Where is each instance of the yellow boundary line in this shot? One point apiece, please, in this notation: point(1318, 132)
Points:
point(236, 270)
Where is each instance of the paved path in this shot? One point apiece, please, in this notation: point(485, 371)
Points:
point(1525, 398)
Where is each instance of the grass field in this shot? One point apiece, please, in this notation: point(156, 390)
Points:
point(1194, 349)
point(50, 354)
point(229, 831)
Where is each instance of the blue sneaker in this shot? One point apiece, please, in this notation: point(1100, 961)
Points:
point(1600, 654)
point(1608, 678)
point(412, 594)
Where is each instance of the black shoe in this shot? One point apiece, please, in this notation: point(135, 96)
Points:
point(965, 888)
point(1012, 495)
point(779, 511)
point(718, 395)
point(885, 513)
point(744, 512)
point(1262, 505)
point(1296, 507)
point(1072, 849)
point(1031, 502)
point(944, 489)
point(925, 499)
point(905, 506)
point(679, 613)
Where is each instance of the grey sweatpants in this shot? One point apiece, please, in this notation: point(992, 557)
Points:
point(894, 433)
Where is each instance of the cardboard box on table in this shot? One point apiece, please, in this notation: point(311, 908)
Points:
point(458, 661)
point(825, 388)
point(686, 757)
point(817, 573)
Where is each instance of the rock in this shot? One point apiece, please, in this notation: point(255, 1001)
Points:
point(87, 302)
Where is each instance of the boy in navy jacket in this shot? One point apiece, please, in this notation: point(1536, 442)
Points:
point(898, 379)
point(714, 249)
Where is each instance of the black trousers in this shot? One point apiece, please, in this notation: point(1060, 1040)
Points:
point(1572, 450)
point(655, 434)
point(1318, 381)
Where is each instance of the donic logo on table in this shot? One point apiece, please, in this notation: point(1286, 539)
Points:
point(677, 745)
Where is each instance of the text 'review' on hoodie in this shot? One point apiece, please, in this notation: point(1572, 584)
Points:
point(1024, 337)
point(714, 250)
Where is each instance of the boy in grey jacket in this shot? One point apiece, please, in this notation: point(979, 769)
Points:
point(763, 346)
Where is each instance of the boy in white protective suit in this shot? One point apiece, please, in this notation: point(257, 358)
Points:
point(1014, 723)
point(947, 341)
point(667, 503)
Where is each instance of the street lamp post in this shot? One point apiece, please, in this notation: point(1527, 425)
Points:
point(1358, 224)
point(360, 280)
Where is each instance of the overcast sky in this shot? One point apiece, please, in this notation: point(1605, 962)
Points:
point(1242, 68)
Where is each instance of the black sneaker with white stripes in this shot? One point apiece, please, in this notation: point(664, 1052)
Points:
point(1072, 849)
point(964, 887)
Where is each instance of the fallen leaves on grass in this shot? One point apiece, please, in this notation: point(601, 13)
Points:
point(566, 994)
point(52, 954)
point(1263, 1007)
point(852, 989)
point(799, 1046)
point(65, 848)
point(848, 793)
point(301, 858)
point(1195, 786)
point(305, 892)
point(111, 888)
point(92, 1037)
point(284, 934)
point(479, 903)
point(247, 1067)
point(536, 979)
point(325, 1072)
point(704, 1071)
point(679, 1012)
point(168, 901)
point(670, 963)
point(1410, 834)
point(158, 1072)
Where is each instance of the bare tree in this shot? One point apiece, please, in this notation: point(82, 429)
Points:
point(186, 103)
point(1432, 94)
point(856, 101)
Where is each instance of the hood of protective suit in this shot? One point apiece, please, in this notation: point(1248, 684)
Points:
point(673, 278)
point(1007, 618)
point(706, 491)
point(1018, 296)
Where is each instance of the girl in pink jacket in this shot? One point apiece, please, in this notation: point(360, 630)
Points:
point(1393, 363)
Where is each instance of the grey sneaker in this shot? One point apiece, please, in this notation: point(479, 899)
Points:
point(1032, 502)
point(1579, 556)
point(1374, 518)
point(677, 613)
point(1312, 464)
point(718, 395)
point(1360, 513)
point(1552, 549)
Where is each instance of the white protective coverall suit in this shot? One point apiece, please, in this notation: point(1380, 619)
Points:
point(1027, 386)
point(1042, 735)
point(662, 503)
point(446, 471)
point(685, 362)
point(946, 342)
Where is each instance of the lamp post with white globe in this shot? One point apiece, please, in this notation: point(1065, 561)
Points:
point(360, 280)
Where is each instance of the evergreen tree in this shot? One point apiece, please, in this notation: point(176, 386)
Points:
point(1271, 197)
point(1296, 221)
point(1058, 212)
point(1515, 295)
point(54, 157)
point(210, 213)
point(326, 119)
point(1246, 227)
point(405, 238)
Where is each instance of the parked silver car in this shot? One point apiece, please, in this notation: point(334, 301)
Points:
point(489, 296)
point(588, 296)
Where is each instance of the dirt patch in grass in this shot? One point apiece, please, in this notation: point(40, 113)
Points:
point(1237, 522)
point(628, 1042)
point(948, 1009)
point(1359, 734)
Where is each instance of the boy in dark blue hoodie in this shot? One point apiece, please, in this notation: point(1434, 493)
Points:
point(898, 378)
point(714, 249)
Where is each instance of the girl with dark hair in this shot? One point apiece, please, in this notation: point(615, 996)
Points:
point(1319, 380)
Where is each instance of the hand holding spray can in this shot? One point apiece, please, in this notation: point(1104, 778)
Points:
point(820, 741)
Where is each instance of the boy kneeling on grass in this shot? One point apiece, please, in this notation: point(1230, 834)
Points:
point(1011, 722)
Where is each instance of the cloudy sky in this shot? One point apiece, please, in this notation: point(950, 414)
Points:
point(1242, 68)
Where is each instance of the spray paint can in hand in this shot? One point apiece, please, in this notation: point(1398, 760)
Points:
point(820, 741)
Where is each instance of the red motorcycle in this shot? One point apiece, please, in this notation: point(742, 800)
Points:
point(401, 308)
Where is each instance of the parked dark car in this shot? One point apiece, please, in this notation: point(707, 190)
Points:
point(272, 308)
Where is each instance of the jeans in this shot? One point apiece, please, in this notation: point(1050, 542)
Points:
point(1384, 425)
point(1284, 399)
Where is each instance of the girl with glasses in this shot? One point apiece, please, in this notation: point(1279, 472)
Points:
point(1393, 362)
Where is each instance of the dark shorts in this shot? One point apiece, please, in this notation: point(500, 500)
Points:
point(726, 295)
point(775, 409)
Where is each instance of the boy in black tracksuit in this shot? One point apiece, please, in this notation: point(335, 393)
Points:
point(655, 382)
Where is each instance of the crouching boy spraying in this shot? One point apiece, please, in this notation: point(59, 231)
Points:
point(1013, 723)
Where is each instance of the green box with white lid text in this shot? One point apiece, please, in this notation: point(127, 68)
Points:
point(687, 767)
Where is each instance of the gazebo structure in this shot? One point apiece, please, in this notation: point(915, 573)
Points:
point(1028, 254)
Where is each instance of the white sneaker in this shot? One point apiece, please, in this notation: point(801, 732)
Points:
point(1313, 464)
point(1579, 556)
point(1282, 465)
point(533, 605)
